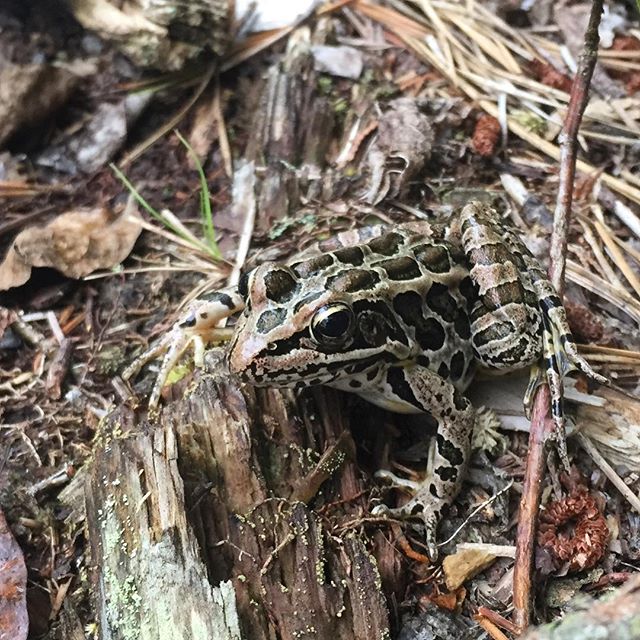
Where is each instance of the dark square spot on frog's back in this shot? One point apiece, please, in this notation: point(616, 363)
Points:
point(280, 285)
point(457, 366)
point(387, 244)
point(312, 266)
point(352, 280)
point(350, 255)
point(403, 268)
point(434, 257)
point(440, 301)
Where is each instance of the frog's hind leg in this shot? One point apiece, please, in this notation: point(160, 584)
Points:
point(519, 317)
point(196, 327)
point(506, 320)
point(561, 355)
point(418, 389)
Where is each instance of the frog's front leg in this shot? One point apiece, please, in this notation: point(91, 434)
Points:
point(417, 389)
point(198, 326)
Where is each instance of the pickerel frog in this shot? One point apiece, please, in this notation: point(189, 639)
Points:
point(403, 317)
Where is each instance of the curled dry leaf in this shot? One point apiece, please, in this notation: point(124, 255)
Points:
point(401, 149)
point(14, 622)
point(448, 601)
point(75, 243)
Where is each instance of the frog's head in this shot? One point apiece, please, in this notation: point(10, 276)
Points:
point(313, 323)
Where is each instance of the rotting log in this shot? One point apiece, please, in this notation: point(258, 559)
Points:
point(237, 455)
point(149, 582)
point(68, 625)
point(613, 617)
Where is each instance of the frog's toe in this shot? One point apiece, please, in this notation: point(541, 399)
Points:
point(173, 345)
point(144, 358)
point(397, 482)
point(415, 509)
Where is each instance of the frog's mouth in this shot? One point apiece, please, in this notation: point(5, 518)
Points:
point(285, 363)
point(297, 362)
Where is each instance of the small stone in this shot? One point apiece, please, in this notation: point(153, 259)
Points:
point(463, 565)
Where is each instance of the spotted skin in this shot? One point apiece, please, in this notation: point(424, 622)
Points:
point(403, 318)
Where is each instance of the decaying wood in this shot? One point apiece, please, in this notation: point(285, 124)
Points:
point(240, 454)
point(68, 626)
point(289, 571)
point(149, 580)
point(616, 617)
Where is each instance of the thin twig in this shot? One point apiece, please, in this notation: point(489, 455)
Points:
point(479, 508)
point(568, 140)
point(490, 627)
point(609, 471)
point(498, 620)
point(541, 425)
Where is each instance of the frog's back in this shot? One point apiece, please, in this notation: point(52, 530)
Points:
point(411, 280)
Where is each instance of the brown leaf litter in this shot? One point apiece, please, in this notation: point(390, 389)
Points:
point(75, 243)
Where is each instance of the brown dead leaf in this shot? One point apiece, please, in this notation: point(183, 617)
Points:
point(463, 565)
point(28, 93)
point(450, 601)
point(75, 243)
point(14, 622)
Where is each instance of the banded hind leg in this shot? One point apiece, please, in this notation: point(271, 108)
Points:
point(506, 319)
point(518, 318)
point(417, 389)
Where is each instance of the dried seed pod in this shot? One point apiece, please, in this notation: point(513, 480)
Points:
point(486, 136)
point(574, 530)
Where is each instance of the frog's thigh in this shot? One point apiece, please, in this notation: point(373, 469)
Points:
point(506, 322)
point(418, 389)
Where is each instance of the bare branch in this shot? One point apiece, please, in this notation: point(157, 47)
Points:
point(541, 425)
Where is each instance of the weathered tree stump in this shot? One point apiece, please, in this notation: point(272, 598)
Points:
point(149, 580)
point(223, 462)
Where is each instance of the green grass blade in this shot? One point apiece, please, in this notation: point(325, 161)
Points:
point(205, 199)
point(160, 218)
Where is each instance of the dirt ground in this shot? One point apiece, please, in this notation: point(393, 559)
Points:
point(72, 102)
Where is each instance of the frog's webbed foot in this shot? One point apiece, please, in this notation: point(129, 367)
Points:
point(421, 507)
point(196, 327)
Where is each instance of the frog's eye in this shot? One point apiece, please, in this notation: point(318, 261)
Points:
point(332, 325)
